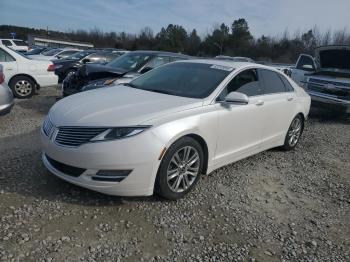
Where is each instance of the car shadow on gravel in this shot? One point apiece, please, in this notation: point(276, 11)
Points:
point(22, 172)
point(39, 104)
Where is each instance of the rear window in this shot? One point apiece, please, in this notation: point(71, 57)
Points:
point(194, 80)
point(20, 43)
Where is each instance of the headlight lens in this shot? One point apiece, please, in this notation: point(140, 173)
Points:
point(119, 133)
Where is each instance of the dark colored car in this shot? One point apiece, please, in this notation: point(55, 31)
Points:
point(37, 50)
point(121, 70)
point(71, 64)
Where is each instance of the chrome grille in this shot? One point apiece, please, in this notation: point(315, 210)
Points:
point(76, 136)
point(48, 127)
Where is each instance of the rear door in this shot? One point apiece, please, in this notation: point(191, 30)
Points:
point(279, 104)
point(305, 64)
point(9, 64)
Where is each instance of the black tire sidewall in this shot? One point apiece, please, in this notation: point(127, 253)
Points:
point(286, 145)
point(19, 78)
point(161, 186)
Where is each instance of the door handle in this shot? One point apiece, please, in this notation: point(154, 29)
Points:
point(9, 69)
point(290, 98)
point(259, 103)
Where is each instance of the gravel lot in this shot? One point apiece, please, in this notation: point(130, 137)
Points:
point(292, 206)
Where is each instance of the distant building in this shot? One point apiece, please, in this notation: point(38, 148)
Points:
point(45, 41)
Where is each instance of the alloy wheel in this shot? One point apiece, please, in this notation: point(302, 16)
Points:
point(294, 132)
point(183, 169)
point(23, 88)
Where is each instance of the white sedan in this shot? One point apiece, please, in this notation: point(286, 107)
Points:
point(160, 132)
point(24, 75)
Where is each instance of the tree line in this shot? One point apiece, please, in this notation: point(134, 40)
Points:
point(234, 40)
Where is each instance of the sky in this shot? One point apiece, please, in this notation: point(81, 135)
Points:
point(268, 17)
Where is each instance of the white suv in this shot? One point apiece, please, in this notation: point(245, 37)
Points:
point(15, 44)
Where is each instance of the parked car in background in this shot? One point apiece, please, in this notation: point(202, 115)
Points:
point(24, 75)
point(234, 58)
point(121, 70)
point(54, 54)
point(37, 50)
point(6, 97)
point(326, 77)
point(164, 129)
point(15, 44)
point(69, 65)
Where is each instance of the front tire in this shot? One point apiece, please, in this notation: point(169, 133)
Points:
point(294, 133)
point(180, 169)
point(22, 87)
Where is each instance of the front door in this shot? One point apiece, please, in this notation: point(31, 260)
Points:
point(240, 126)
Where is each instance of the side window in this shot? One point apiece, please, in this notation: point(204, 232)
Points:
point(287, 85)
point(306, 63)
point(6, 42)
point(272, 83)
point(158, 61)
point(246, 82)
point(5, 57)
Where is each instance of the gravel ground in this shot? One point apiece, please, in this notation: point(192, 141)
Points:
point(274, 206)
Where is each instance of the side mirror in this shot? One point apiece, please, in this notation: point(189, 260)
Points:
point(86, 60)
point(58, 57)
point(237, 98)
point(145, 70)
point(308, 67)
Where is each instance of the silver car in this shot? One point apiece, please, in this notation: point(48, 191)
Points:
point(6, 97)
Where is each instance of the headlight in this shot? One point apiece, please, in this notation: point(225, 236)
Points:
point(119, 133)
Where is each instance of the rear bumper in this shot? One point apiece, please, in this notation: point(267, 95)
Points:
point(328, 102)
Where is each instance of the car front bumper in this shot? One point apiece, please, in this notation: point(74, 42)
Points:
point(139, 154)
point(328, 102)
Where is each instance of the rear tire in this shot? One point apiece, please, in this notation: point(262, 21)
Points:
point(293, 135)
point(22, 87)
point(180, 169)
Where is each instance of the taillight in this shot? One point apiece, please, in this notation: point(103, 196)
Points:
point(2, 77)
point(51, 68)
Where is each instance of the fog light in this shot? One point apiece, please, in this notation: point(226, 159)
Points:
point(111, 175)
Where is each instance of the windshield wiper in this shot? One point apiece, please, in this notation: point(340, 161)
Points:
point(130, 85)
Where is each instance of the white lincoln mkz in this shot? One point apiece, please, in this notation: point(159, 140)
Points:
point(160, 132)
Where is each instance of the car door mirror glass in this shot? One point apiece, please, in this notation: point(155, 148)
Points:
point(237, 98)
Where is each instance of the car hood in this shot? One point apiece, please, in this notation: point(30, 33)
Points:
point(117, 106)
point(333, 58)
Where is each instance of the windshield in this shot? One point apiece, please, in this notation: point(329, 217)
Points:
point(194, 80)
point(130, 61)
point(79, 55)
point(51, 52)
point(19, 43)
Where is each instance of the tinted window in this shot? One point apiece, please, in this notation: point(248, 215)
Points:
point(130, 61)
point(80, 55)
point(51, 52)
point(272, 83)
point(246, 82)
point(19, 42)
point(6, 42)
point(305, 60)
point(67, 53)
point(5, 57)
point(193, 80)
point(158, 61)
point(287, 85)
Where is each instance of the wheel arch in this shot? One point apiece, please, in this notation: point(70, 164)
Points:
point(26, 75)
